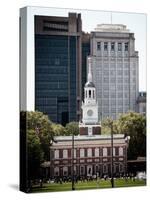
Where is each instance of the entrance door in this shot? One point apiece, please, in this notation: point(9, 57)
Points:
point(89, 170)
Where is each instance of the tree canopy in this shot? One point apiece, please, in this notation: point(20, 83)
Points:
point(131, 124)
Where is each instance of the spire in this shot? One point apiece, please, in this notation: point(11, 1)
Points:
point(89, 70)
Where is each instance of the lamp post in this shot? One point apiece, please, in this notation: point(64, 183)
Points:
point(50, 156)
point(112, 161)
point(127, 138)
point(73, 187)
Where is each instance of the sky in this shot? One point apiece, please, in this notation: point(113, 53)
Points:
point(135, 22)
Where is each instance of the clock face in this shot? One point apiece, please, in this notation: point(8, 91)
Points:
point(90, 112)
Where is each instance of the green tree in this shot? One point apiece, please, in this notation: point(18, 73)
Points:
point(72, 128)
point(134, 125)
point(35, 154)
point(42, 127)
point(107, 124)
point(58, 129)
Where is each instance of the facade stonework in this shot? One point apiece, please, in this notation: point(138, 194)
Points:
point(115, 69)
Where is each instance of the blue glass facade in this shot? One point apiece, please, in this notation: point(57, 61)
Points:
point(55, 77)
point(85, 53)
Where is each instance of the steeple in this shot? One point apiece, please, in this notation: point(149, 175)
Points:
point(89, 70)
point(89, 82)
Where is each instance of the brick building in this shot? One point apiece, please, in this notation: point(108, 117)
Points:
point(92, 155)
point(89, 153)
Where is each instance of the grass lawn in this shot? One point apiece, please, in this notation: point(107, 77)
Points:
point(55, 187)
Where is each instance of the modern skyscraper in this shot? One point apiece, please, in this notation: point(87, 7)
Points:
point(115, 69)
point(58, 67)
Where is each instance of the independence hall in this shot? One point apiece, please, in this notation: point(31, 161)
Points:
point(88, 153)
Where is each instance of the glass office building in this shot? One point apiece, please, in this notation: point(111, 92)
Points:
point(58, 67)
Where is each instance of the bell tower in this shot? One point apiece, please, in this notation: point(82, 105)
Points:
point(89, 124)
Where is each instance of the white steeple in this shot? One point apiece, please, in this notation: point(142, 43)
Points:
point(89, 70)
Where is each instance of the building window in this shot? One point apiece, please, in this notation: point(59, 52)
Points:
point(119, 47)
point(65, 171)
point(57, 61)
point(104, 151)
point(126, 46)
point(121, 167)
point(65, 153)
point(93, 94)
point(89, 152)
point(56, 154)
point(96, 169)
point(56, 171)
point(82, 170)
point(105, 46)
point(96, 152)
point(114, 151)
point(75, 152)
point(120, 151)
point(89, 93)
point(112, 46)
point(98, 46)
point(105, 169)
point(82, 153)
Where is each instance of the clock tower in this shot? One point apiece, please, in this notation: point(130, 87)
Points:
point(89, 124)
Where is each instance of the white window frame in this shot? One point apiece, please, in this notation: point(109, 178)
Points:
point(65, 153)
point(96, 151)
point(120, 151)
point(82, 153)
point(105, 152)
point(89, 152)
point(56, 154)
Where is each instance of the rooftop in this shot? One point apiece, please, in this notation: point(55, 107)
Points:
point(112, 28)
point(87, 137)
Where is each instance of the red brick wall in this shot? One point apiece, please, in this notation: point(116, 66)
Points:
point(83, 130)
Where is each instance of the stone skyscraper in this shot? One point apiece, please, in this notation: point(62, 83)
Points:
point(115, 69)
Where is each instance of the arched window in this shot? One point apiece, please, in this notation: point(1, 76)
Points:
point(89, 93)
point(93, 94)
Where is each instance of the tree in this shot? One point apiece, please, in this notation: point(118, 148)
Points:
point(35, 154)
point(42, 127)
point(58, 129)
point(134, 125)
point(72, 128)
point(107, 124)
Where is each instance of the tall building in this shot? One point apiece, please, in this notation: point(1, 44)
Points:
point(142, 103)
point(58, 67)
point(115, 69)
point(85, 54)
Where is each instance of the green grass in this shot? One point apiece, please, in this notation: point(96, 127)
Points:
point(55, 187)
